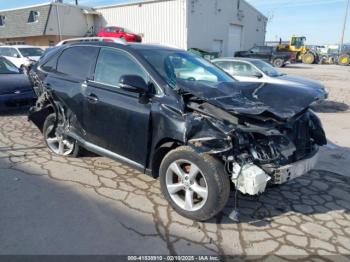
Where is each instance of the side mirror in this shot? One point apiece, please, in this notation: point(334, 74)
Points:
point(17, 56)
point(133, 83)
point(258, 75)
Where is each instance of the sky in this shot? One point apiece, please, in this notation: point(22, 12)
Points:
point(321, 21)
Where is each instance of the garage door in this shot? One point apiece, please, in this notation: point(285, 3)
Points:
point(234, 43)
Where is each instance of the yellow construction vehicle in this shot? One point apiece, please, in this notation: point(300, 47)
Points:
point(297, 46)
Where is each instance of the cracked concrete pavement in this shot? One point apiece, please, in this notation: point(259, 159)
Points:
point(94, 205)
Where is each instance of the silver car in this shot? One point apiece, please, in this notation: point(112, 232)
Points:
point(255, 70)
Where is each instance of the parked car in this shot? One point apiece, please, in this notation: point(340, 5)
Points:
point(176, 116)
point(268, 54)
point(119, 32)
point(15, 89)
point(21, 55)
point(256, 70)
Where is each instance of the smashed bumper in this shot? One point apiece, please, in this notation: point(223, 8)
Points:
point(291, 171)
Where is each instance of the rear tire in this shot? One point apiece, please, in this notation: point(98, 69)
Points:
point(278, 62)
point(59, 145)
point(209, 188)
point(344, 60)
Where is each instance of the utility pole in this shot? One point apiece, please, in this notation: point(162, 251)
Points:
point(76, 2)
point(344, 27)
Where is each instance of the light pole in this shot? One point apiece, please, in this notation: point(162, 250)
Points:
point(344, 27)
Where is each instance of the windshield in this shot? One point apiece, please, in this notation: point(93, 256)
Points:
point(33, 51)
point(267, 68)
point(6, 67)
point(175, 65)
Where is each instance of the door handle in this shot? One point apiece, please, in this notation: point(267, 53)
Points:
point(92, 98)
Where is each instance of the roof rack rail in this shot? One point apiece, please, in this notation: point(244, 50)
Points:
point(92, 39)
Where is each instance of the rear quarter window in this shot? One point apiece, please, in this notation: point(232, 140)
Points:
point(78, 61)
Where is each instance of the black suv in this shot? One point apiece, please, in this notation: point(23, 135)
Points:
point(178, 117)
point(268, 54)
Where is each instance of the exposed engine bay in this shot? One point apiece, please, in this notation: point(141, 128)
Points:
point(257, 148)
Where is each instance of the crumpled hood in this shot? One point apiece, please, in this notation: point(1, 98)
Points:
point(283, 101)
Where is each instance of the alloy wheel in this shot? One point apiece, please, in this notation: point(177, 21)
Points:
point(186, 185)
point(57, 143)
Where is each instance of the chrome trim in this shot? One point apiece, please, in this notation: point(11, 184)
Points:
point(103, 151)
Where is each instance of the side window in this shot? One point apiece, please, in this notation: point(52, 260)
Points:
point(51, 64)
point(112, 64)
point(77, 61)
point(266, 50)
point(243, 69)
point(33, 16)
point(9, 52)
point(226, 66)
point(2, 20)
point(255, 49)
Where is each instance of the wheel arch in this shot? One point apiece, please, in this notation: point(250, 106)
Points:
point(38, 117)
point(163, 147)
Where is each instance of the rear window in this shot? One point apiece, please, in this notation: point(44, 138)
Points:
point(77, 61)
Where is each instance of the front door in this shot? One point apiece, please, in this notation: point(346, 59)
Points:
point(114, 118)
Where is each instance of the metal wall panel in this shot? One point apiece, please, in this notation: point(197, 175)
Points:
point(158, 21)
point(210, 23)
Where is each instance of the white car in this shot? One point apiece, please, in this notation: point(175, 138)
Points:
point(255, 70)
point(21, 55)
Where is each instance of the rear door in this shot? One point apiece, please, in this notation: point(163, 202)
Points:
point(115, 119)
point(67, 78)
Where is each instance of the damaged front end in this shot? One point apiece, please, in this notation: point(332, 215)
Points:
point(257, 149)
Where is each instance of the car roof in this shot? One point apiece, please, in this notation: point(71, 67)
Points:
point(242, 59)
point(20, 46)
point(131, 45)
point(141, 46)
point(90, 39)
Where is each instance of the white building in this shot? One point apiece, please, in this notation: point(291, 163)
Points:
point(216, 25)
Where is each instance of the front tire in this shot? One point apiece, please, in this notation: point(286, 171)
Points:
point(196, 186)
point(58, 144)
